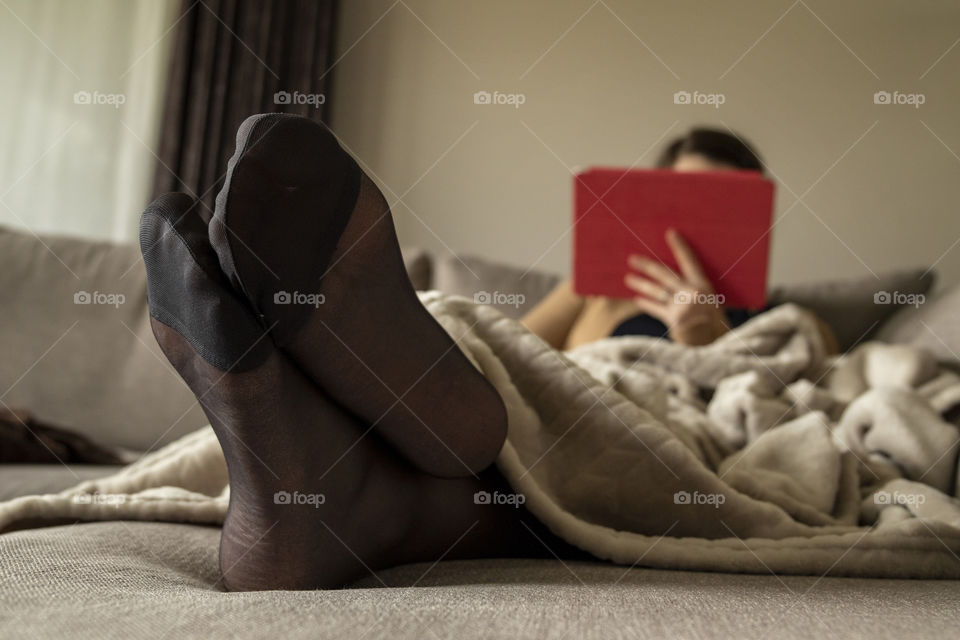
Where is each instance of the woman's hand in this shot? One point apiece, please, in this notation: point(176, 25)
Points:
point(685, 303)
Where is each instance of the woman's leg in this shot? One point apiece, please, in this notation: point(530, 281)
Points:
point(318, 499)
point(553, 317)
point(600, 316)
point(565, 320)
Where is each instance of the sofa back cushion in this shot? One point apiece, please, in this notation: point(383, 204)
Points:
point(931, 324)
point(854, 307)
point(857, 308)
point(512, 290)
point(77, 351)
point(76, 348)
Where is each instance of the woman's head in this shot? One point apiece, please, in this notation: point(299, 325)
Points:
point(709, 150)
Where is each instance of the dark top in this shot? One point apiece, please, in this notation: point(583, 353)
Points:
point(646, 325)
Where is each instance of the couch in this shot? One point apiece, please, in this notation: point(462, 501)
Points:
point(77, 352)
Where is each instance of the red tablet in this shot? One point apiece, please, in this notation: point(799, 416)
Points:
point(724, 217)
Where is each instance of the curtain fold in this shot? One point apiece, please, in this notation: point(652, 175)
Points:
point(232, 59)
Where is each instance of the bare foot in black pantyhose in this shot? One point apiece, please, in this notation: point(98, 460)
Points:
point(316, 501)
point(308, 239)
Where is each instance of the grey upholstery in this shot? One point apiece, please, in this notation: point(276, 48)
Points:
point(856, 308)
point(91, 367)
point(932, 325)
point(154, 580)
point(512, 290)
point(95, 367)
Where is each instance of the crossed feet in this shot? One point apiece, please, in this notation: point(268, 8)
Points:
point(356, 433)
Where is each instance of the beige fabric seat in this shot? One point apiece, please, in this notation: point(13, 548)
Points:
point(139, 580)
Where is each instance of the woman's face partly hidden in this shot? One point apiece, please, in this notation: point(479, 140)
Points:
point(687, 162)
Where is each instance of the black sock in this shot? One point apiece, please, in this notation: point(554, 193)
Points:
point(308, 239)
point(301, 469)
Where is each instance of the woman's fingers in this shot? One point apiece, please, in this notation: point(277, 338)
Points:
point(647, 288)
point(658, 272)
point(688, 262)
point(655, 309)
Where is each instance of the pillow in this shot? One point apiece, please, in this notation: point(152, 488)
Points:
point(856, 308)
point(932, 325)
point(847, 305)
point(488, 282)
point(76, 348)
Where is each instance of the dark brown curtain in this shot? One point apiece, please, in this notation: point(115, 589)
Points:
point(232, 59)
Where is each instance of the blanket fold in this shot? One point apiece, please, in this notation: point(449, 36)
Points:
point(756, 453)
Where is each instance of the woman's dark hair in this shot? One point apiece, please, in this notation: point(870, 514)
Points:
point(716, 145)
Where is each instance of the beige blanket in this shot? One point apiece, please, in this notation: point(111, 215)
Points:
point(754, 454)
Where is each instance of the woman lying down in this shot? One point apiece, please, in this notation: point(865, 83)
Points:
point(566, 320)
point(362, 397)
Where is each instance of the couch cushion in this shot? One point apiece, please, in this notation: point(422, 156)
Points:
point(512, 290)
point(855, 308)
point(148, 580)
point(76, 348)
point(847, 305)
point(933, 325)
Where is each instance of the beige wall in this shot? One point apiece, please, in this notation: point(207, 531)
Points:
point(879, 189)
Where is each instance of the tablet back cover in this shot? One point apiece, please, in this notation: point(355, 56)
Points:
point(724, 217)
